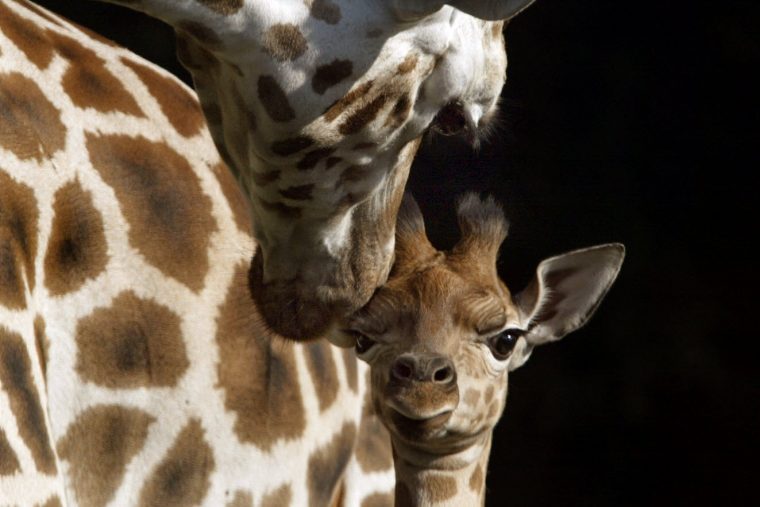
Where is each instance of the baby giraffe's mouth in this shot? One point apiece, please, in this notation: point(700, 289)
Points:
point(416, 429)
point(420, 413)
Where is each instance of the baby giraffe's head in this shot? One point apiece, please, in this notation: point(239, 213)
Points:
point(442, 334)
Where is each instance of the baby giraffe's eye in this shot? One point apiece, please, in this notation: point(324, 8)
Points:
point(363, 343)
point(502, 344)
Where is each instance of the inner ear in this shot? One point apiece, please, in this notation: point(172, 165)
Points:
point(566, 291)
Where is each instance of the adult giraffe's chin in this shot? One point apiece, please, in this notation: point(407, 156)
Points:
point(316, 106)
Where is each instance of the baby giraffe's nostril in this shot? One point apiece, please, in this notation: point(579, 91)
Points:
point(443, 375)
point(403, 369)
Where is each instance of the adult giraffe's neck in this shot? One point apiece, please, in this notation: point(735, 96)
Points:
point(331, 269)
point(427, 480)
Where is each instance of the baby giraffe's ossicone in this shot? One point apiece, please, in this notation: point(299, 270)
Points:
point(442, 334)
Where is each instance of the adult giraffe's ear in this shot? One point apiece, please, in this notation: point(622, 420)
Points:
point(492, 10)
point(564, 294)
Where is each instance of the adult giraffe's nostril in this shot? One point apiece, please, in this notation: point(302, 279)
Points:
point(451, 119)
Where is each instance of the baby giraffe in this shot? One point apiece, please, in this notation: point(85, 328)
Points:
point(442, 335)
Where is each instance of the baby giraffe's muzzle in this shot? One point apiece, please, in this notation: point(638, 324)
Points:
point(421, 393)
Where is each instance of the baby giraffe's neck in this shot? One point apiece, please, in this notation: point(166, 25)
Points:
point(427, 480)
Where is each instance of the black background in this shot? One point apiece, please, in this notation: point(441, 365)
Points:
point(623, 121)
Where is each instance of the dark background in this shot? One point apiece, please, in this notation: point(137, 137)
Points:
point(623, 121)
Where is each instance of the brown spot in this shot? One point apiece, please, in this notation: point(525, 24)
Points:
point(256, 371)
point(225, 7)
point(347, 201)
point(329, 75)
point(234, 196)
point(291, 145)
point(353, 174)
point(284, 41)
point(311, 159)
point(200, 32)
point(132, 343)
point(361, 117)
point(30, 126)
point(241, 499)
point(8, 461)
point(274, 100)
point(89, 83)
point(331, 161)
point(323, 371)
point(344, 103)
point(42, 344)
point(77, 249)
point(182, 478)
point(265, 178)
point(283, 210)
point(364, 146)
point(400, 111)
point(328, 464)
point(352, 370)
point(497, 29)
point(326, 10)
point(476, 480)
point(408, 65)
point(178, 105)
point(18, 383)
point(98, 446)
point(298, 193)
point(374, 33)
point(277, 498)
point(169, 216)
point(18, 241)
point(27, 36)
point(53, 501)
point(439, 488)
point(378, 500)
point(471, 397)
point(489, 394)
point(12, 287)
point(373, 446)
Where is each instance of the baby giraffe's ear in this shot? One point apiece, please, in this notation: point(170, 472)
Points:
point(564, 294)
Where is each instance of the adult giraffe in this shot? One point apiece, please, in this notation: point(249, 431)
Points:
point(318, 107)
point(134, 367)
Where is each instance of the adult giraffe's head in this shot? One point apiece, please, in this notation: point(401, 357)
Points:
point(318, 107)
point(444, 331)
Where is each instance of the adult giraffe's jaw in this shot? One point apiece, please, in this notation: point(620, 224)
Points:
point(301, 296)
point(301, 310)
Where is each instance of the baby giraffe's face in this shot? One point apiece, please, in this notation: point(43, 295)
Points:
point(443, 333)
point(439, 339)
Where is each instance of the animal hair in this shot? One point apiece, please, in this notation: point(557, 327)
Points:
point(481, 221)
